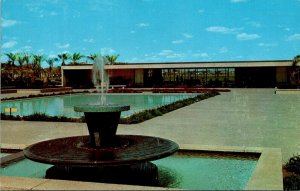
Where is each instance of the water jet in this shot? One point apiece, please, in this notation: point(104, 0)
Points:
point(102, 156)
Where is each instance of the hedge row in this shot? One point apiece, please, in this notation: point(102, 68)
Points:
point(149, 114)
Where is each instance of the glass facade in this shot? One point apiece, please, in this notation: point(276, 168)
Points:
point(199, 77)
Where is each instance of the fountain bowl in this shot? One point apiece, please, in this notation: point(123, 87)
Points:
point(102, 122)
point(101, 108)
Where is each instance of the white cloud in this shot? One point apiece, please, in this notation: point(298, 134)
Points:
point(27, 48)
point(294, 37)
point(108, 50)
point(200, 11)
point(177, 41)
point(53, 13)
point(142, 25)
point(284, 27)
point(8, 22)
point(9, 44)
point(238, 1)
point(204, 54)
point(187, 35)
point(223, 30)
point(61, 46)
point(75, 13)
point(132, 31)
point(89, 40)
point(223, 49)
point(52, 56)
point(66, 52)
point(267, 44)
point(165, 52)
point(175, 55)
point(245, 36)
point(254, 24)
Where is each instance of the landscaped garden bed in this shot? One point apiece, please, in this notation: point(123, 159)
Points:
point(8, 91)
point(61, 89)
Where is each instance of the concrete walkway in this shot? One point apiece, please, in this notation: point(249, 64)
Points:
point(242, 117)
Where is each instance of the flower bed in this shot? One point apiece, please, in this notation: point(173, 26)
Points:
point(62, 89)
point(8, 91)
point(188, 90)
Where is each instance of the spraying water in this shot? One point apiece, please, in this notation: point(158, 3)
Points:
point(100, 77)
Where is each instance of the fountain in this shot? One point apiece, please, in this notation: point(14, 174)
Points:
point(102, 156)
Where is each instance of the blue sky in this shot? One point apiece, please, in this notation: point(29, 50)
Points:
point(154, 30)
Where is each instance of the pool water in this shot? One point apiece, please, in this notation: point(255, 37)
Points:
point(64, 105)
point(180, 171)
point(4, 154)
point(205, 172)
point(25, 168)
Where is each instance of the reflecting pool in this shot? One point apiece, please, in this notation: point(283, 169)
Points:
point(183, 170)
point(64, 105)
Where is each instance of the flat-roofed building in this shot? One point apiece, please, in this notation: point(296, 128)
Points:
point(269, 73)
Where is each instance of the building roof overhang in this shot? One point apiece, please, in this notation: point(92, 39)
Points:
point(176, 65)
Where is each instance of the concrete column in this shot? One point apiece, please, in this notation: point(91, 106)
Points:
point(139, 76)
point(281, 74)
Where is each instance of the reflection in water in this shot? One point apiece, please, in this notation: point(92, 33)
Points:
point(205, 172)
point(64, 105)
point(179, 171)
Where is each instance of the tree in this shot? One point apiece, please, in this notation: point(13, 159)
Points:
point(75, 57)
point(51, 61)
point(112, 58)
point(92, 56)
point(37, 68)
point(10, 67)
point(64, 57)
point(295, 75)
point(296, 60)
point(21, 60)
point(27, 58)
point(11, 58)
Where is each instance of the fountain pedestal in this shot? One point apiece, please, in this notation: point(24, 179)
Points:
point(102, 122)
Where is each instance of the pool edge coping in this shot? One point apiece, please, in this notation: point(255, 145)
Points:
point(267, 174)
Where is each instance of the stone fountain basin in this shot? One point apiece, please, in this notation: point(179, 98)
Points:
point(101, 108)
point(76, 151)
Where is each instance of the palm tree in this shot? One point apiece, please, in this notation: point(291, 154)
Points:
point(295, 75)
point(11, 58)
point(26, 58)
point(296, 60)
point(51, 61)
point(92, 57)
point(75, 57)
point(37, 60)
point(112, 58)
point(63, 57)
point(21, 60)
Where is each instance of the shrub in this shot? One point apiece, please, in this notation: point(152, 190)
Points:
point(293, 165)
point(42, 117)
point(149, 114)
point(292, 180)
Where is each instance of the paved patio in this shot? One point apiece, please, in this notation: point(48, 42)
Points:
point(242, 117)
